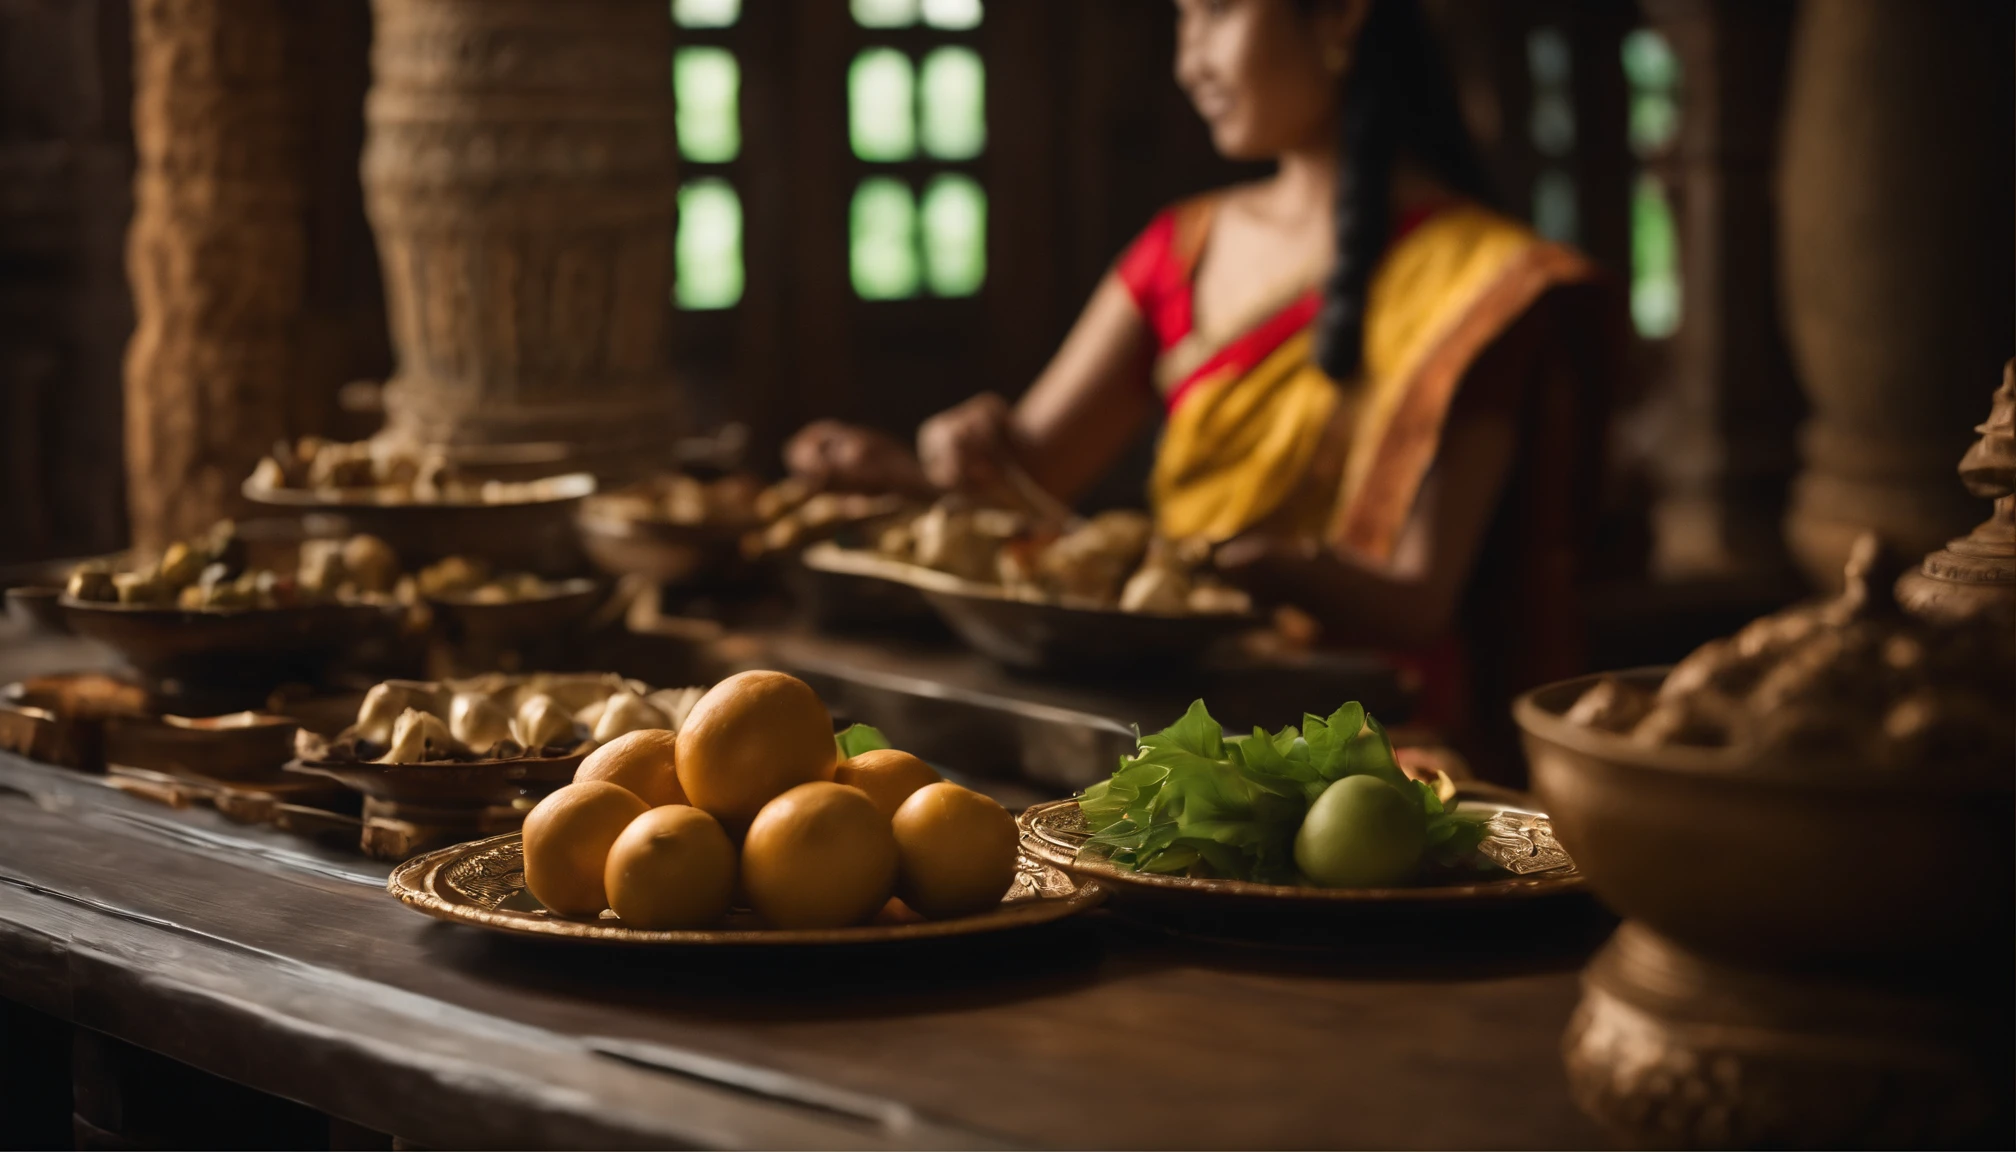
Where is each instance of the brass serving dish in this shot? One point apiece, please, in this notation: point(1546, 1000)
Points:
point(1520, 841)
point(1041, 635)
point(233, 646)
point(535, 534)
point(460, 783)
point(483, 884)
point(658, 550)
point(1758, 862)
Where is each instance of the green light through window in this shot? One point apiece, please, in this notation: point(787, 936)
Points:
point(706, 83)
point(1654, 75)
point(882, 255)
point(1554, 206)
point(953, 107)
point(884, 13)
point(880, 103)
point(707, 253)
point(706, 13)
point(952, 15)
point(955, 235)
point(1655, 261)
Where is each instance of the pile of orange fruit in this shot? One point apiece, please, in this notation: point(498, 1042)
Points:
point(751, 803)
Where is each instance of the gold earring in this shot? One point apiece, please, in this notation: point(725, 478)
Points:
point(1335, 58)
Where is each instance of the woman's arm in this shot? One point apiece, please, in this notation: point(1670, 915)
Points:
point(1073, 423)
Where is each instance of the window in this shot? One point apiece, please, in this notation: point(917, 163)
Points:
point(916, 117)
point(707, 92)
point(1551, 127)
point(1652, 72)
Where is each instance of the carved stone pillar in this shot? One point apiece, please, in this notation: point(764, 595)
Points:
point(1727, 402)
point(519, 175)
point(214, 255)
point(1895, 232)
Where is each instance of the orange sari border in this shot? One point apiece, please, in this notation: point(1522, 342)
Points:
point(1372, 522)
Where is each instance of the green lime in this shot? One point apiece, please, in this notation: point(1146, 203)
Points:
point(1361, 833)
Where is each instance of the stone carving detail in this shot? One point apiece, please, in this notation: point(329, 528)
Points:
point(519, 174)
point(1668, 1051)
point(215, 256)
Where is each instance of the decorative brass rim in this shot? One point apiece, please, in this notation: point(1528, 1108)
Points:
point(1055, 831)
point(827, 556)
point(469, 883)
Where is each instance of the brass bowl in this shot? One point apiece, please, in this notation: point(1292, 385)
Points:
point(230, 646)
point(448, 783)
point(1758, 863)
point(1042, 636)
point(658, 550)
point(566, 605)
point(482, 884)
point(534, 535)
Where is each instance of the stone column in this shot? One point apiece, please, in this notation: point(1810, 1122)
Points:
point(214, 254)
point(519, 175)
point(1895, 237)
point(1728, 403)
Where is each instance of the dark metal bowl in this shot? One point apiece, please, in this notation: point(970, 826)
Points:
point(658, 550)
point(534, 535)
point(1761, 863)
point(1041, 636)
point(245, 646)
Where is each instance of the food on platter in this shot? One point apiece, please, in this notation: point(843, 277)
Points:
point(1849, 684)
point(1326, 805)
point(640, 761)
point(821, 855)
point(567, 840)
point(673, 867)
point(386, 471)
point(209, 573)
point(748, 799)
point(1111, 561)
point(501, 717)
point(955, 850)
point(887, 775)
point(753, 737)
point(773, 518)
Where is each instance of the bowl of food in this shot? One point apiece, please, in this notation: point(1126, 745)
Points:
point(199, 615)
point(1830, 786)
point(753, 825)
point(425, 502)
point(486, 740)
point(1101, 593)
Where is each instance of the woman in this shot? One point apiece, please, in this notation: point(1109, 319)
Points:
point(1351, 354)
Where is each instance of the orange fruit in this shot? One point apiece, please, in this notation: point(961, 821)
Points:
point(956, 851)
point(886, 775)
point(749, 739)
point(672, 867)
point(819, 856)
point(567, 839)
point(642, 761)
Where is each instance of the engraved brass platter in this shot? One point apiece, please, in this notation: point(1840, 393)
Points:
point(1519, 841)
point(483, 883)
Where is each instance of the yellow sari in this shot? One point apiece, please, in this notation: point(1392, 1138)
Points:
point(1257, 435)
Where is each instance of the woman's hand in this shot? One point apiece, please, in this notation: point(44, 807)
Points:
point(828, 454)
point(969, 446)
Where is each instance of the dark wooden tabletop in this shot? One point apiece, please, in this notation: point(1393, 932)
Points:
point(286, 967)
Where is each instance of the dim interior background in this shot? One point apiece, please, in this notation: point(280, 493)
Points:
point(887, 205)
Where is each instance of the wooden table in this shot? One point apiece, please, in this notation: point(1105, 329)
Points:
point(286, 967)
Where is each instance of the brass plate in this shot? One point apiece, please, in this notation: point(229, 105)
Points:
point(1042, 635)
point(483, 883)
point(1519, 840)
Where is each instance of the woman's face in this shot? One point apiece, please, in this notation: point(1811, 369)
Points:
point(1264, 74)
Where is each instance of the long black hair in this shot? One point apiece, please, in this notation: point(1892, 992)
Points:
point(1398, 100)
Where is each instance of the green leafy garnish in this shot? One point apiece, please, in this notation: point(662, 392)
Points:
point(1193, 801)
point(858, 738)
